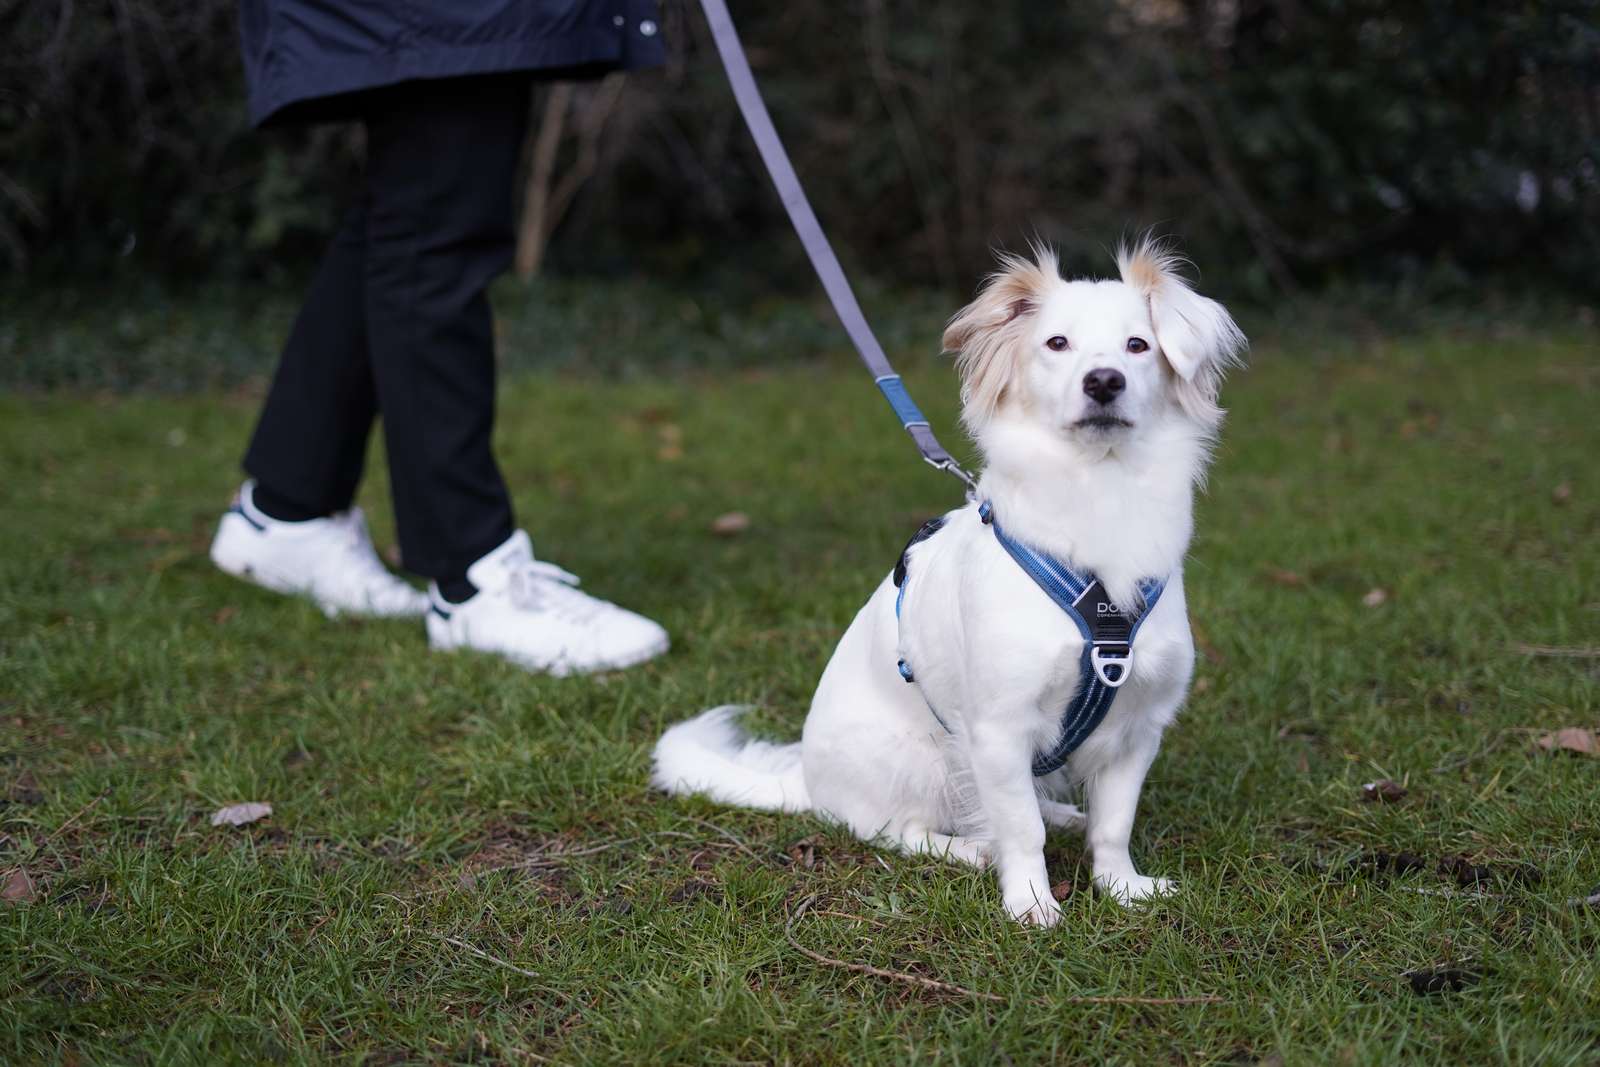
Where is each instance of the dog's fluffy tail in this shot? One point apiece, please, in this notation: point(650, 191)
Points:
point(709, 754)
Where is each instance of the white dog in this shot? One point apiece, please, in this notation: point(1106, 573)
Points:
point(1095, 406)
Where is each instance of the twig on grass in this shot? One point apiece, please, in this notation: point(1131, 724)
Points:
point(1557, 651)
point(746, 849)
point(74, 818)
point(1446, 891)
point(936, 986)
point(1457, 762)
point(1590, 901)
point(492, 959)
point(932, 984)
point(847, 915)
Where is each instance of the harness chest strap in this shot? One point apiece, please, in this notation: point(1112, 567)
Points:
point(1108, 633)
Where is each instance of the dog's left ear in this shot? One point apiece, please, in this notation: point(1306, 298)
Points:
point(986, 335)
point(1196, 334)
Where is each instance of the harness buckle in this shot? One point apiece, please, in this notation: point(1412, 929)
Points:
point(1112, 664)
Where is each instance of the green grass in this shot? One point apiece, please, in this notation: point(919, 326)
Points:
point(140, 690)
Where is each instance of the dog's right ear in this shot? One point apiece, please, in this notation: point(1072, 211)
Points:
point(986, 335)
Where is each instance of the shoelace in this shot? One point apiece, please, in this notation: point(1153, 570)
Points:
point(540, 586)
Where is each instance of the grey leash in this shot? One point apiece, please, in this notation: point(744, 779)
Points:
point(823, 261)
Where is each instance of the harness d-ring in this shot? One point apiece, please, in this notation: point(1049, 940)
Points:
point(1121, 663)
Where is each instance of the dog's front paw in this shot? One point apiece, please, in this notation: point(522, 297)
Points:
point(1031, 910)
point(1129, 888)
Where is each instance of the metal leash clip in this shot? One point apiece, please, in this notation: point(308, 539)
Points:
point(950, 466)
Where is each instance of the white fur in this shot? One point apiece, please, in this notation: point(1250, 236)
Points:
point(995, 657)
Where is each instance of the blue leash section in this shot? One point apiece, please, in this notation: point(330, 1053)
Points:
point(823, 260)
point(1108, 632)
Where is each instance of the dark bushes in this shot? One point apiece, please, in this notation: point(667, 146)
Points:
point(1290, 144)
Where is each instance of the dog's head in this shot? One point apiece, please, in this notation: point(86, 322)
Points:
point(1096, 362)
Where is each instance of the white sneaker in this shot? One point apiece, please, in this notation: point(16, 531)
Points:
point(531, 613)
point(329, 560)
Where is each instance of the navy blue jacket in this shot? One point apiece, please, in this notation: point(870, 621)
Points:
point(298, 53)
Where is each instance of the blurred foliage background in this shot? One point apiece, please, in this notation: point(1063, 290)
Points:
point(1437, 146)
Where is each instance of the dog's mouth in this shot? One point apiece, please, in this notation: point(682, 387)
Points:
point(1102, 422)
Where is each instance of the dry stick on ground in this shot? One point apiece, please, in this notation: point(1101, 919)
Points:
point(746, 849)
point(847, 915)
point(936, 986)
point(75, 816)
point(1557, 651)
point(492, 959)
point(1457, 762)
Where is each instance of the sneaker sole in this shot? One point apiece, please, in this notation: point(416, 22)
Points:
point(228, 560)
point(555, 670)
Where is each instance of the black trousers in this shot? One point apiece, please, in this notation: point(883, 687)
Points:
point(397, 322)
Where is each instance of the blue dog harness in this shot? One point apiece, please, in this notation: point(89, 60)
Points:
point(1108, 632)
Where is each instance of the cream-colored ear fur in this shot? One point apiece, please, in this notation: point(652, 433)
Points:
point(986, 335)
point(1197, 335)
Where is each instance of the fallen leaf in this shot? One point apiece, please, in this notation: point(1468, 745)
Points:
point(730, 524)
point(803, 853)
point(18, 888)
point(240, 814)
point(1572, 739)
point(1286, 578)
point(1561, 493)
point(1061, 890)
point(1375, 597)
point(1384, 791)
point(1446, 978)
point(670, 438)
point(224, 613)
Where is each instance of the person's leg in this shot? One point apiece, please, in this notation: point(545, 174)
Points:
point(310, 443)
point(442, 160)
point(292, 528)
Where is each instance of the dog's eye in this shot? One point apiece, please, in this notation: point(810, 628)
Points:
point(1137, 345)
point(1056, 343)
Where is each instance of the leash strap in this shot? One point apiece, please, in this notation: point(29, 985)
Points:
point(811, 235)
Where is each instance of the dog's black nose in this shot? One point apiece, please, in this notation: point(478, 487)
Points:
point(1103, 384)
